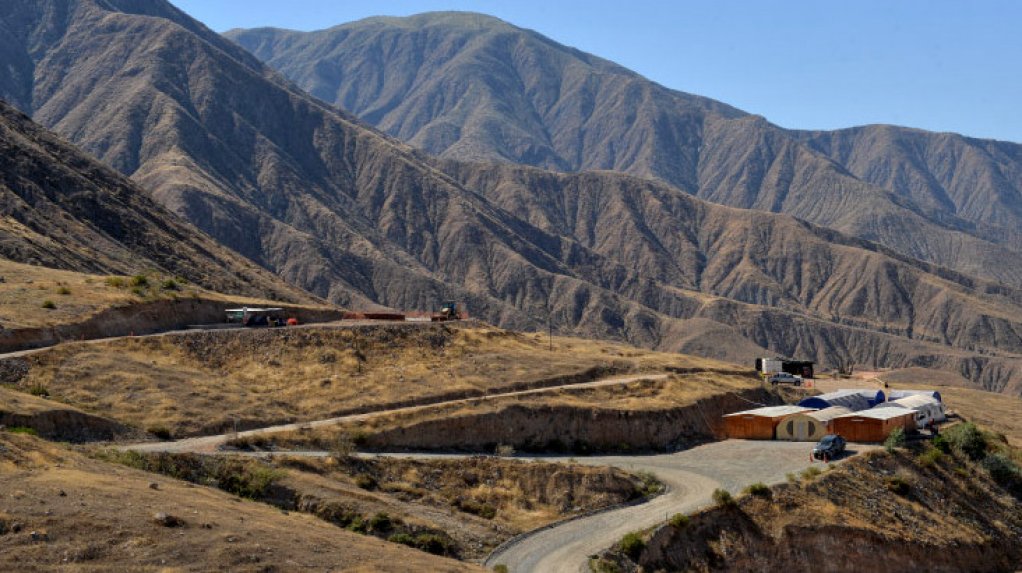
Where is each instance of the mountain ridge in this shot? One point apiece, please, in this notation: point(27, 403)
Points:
point(496, 92)
point(358, 217)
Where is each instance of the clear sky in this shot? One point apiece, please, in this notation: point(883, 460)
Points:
point(809, 64)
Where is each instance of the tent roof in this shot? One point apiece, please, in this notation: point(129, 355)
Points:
point(829, 413)
point(896, 394)
point(771, 411)
point(880, 413)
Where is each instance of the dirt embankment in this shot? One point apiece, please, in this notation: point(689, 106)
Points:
point(562, 428)
point(69, 425)
point(56, 421)
point(142, 318)
point(884, 513)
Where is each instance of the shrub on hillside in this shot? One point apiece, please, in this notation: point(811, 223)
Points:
point(759, 489)
point(116, 282)
point(895, 440)
point(39, 390)
point(632, 545)
point(139, 281)
point(169, 284)
point(930, 457)
point(49, 304)
point(967, 439)
point(63, 291)
point(679, 521)
point(723, 498)
point(1003, 470)
point(811, 473)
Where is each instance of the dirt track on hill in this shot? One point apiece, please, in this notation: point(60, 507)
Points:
point(210, 444)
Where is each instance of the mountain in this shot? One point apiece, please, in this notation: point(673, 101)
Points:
point(60, 208)
point(471, 87)
point(336, 207)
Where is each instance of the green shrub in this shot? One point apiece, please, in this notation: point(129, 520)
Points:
point(1002, 469)
point(679, 521)
point(39, 390)
point(63, 291)
point(49, 304)
point(759, 489)
point(116, 282)
point(403, 539)
point(930, 457)
point(380, 522)
point(139, 281)
point(650, 483)
point(896, 439)
point(365, 481)
point(169, 284)
point(967, 439)
point(23, 430)
point(898, 485)
point(811, 473)
point(632, 545)
point(432, 543)
point(723, 498)
point(941, 443)
point(500, 568)
point(483, 510)
point(358, 525)
point(138, 291)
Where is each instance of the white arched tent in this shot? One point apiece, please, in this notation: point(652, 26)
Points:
point(926, 408)
point(809, 426)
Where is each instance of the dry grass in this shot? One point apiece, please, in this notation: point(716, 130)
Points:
point(641, 395)
point(77, 296)
point(26, 404)
point(477, 503)
point(200, 382)
point(99, 517)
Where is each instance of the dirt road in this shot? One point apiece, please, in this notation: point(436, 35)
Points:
point(691, 476)
point(210, 444)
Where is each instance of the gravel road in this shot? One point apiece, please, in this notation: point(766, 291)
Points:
point(691, 477)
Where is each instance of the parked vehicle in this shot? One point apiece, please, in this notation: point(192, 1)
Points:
point(785, 378)
point(829, 448)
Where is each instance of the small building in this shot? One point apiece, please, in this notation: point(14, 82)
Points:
point(854, 400)
point(873, 425)
point(926, 408)
point(897, 394)
point(758, 424)
point(809, 426)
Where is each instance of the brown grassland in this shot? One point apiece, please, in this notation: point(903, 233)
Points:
point(194, 383)
point(61, 510)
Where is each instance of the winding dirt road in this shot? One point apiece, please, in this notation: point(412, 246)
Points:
point(211, 444)
point(691, 477)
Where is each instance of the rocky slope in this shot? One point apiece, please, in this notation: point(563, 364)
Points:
point(471, 87)
point(340, 209)
point(62, 209)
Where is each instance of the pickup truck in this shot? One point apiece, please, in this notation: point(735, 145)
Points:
point(785, 378)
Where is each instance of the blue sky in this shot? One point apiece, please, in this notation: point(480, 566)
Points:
point(938, 65)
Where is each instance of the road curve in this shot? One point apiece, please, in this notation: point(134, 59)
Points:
point(210, 444)
point(691, 476)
